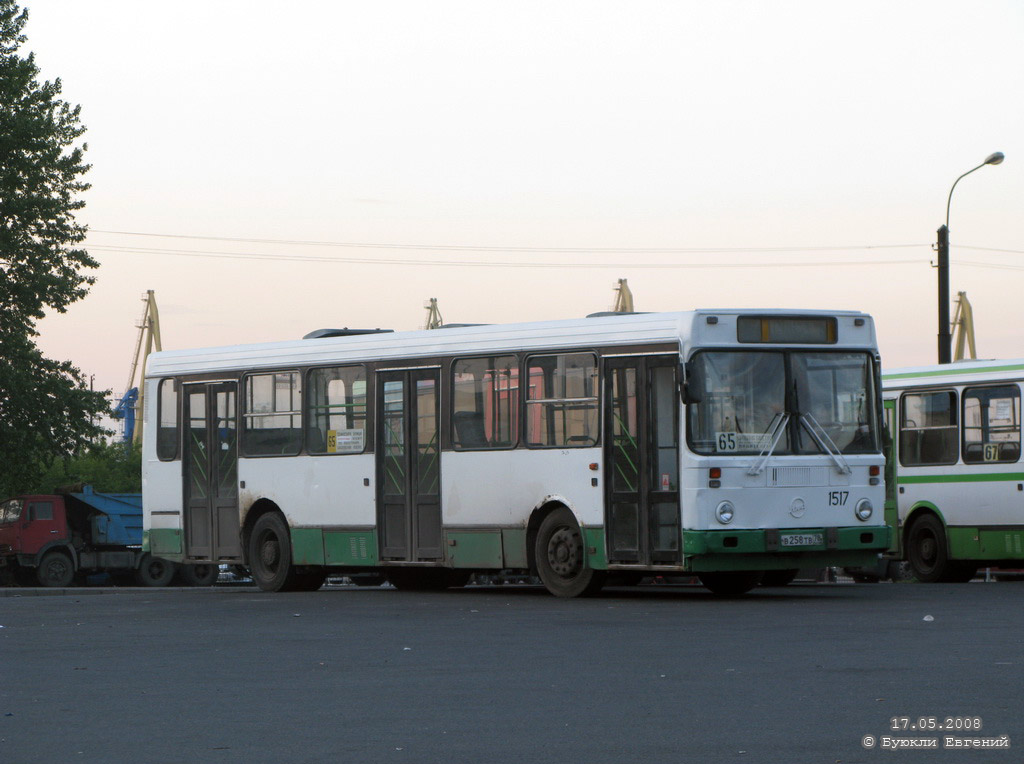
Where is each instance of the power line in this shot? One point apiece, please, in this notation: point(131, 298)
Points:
point(992, 249)
point(995, 266)
point(482, 263)
point(489, 248)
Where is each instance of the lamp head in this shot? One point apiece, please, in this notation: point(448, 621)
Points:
point(996, 158)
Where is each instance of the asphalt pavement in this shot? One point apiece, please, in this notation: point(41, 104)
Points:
point(509, 674)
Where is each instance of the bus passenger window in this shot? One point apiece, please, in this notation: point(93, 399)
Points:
point(485, 406)
point(337, 410)
point(167, 421)
point(561, 401)
point(991, 424)
point(272, 415)
point(928, 429)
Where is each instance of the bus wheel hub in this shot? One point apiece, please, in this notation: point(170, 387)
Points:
point(563, 553)
point(269, 553)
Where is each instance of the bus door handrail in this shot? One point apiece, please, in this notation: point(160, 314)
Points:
point(825, 443)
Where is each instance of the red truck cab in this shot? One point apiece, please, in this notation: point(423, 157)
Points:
point(30, 524)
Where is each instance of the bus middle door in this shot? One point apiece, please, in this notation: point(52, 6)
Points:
point(409, 465)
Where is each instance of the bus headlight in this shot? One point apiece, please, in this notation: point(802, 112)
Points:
point(725, 512)
point(863, 509)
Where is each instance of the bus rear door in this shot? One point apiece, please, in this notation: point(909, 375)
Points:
point(211, 472)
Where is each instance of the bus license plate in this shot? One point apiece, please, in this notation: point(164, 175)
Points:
point(801, 539)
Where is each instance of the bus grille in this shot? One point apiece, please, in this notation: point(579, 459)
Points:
point(798, 476)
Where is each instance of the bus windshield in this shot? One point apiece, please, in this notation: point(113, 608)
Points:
point(748, 399)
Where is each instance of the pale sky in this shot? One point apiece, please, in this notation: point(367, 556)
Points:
point(812, 144)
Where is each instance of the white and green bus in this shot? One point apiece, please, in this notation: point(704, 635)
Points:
point(714, 443)
point(957, 482)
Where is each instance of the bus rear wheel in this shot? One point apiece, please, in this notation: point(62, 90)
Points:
point(270, 554)
point(731, 583)
point(561, 557)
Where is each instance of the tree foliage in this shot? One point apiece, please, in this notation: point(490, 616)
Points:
point(107, 467)
point(46, 408)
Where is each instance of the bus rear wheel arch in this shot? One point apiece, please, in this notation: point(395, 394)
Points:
point(560, 554)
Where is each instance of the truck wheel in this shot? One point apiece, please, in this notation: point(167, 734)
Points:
point(203, 574)
point(55, 569)
point(154, 571)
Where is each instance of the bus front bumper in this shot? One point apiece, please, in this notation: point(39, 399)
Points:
point(783, 548)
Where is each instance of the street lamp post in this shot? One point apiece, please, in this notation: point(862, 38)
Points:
point(943, 265)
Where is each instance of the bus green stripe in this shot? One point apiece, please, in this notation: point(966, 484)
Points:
point(952, 370)
point(996, 477)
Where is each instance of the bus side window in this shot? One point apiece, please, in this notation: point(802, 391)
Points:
point(485, 404)
point(272, 414)
point(336, 421)
point(928, 428)
point(167, 421)
point(561, 401)
point(991, 430)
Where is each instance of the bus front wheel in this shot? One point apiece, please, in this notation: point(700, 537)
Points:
point(561, 557)
point(927, 552)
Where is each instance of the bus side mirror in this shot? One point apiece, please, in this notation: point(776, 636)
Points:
point(692, 390)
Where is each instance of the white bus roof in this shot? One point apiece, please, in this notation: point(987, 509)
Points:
point(682, 328)
point(953, 373)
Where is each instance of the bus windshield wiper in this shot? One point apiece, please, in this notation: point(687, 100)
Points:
point(825, 443)
point(771, 440)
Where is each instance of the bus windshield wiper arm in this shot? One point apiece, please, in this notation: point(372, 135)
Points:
point(825, 443)
point(771, 440)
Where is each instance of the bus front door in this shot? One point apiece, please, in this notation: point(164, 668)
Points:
point(409, 465)
point(211, 472)
point(642, 460)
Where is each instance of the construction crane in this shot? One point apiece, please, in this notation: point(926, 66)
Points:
point(963, 328)
point(131, 402)
point(434, 320)
point(623, 298)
